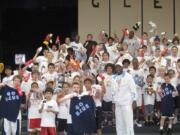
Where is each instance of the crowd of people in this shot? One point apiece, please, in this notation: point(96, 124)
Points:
point(71, 87)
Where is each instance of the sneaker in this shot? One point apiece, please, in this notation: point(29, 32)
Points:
point(137, 123)
point(169, 131)
point(161, 131)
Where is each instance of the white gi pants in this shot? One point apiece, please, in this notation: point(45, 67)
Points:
point(10, 127)
point(124, 120)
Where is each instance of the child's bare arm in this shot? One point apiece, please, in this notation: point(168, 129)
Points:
point(2, 85)
point(41, 109)
point(52, 110)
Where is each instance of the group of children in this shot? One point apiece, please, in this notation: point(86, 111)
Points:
point(69, 88)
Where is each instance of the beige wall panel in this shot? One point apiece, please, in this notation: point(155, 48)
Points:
point(178, 16)
point(92, 20)
point(163, 17)
point(124, 17)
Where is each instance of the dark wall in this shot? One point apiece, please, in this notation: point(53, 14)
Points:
point(24, 26)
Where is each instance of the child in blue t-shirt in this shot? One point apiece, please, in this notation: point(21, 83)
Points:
point(167, 93)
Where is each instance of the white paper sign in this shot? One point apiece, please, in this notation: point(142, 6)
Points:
point(20, 59)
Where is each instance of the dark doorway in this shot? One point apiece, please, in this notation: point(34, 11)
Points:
point(23, 29)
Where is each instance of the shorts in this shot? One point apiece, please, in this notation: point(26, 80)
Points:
point(167, 111)
point(62, 125)
point(148, 109)
point(48, 131)
point(99, 117)
point(70, 130)
point(106, 106)
point(34, 124)
point(169, 115)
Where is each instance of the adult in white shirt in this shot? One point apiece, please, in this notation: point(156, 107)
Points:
point(123, 97)
point(133, 43)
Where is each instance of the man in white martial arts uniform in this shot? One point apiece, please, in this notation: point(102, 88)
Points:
point(123, 96)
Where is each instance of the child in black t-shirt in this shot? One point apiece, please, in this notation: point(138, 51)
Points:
point(167, 93)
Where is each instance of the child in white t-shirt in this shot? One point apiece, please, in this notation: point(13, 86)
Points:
point(55, 51)
point(48, 109)
point(149, 91)
point(35, 96)
point(41, 60)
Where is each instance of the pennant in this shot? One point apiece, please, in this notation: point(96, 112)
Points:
point(94, 50)
point(29, 62)
point(18, 88)
point(74, 64)
point(125, 32)
point(46, 40)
